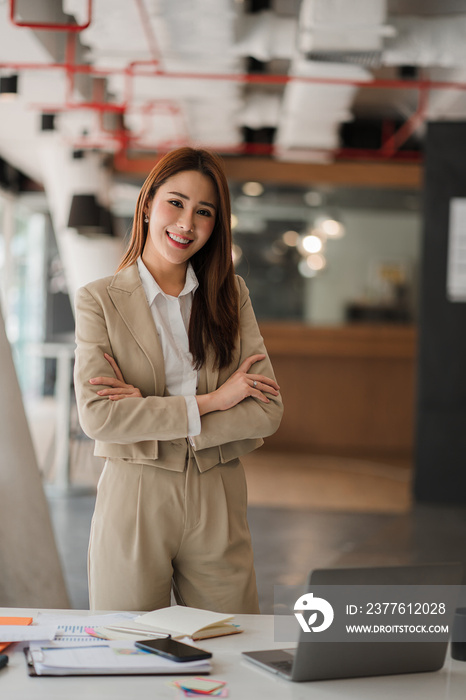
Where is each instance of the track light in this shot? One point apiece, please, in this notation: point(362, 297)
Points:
point(88, 216)
point(84, 212)
point(47, 122)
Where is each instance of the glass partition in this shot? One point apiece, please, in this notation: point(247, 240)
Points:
point(22, 269)
point(328, 255)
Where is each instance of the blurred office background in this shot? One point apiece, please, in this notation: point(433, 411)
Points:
point(342, 124)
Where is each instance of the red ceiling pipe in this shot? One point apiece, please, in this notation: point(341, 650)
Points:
point(238, 77)
point(51, 26)
point(70, 61)
point(104, 107)
point(147, 29)
point(278, 79)
point(97, 106)
point(76, 68)
point(397, 139)
point(388, 129)
point(388, 150)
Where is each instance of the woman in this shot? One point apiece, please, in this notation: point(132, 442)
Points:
point(174, 384)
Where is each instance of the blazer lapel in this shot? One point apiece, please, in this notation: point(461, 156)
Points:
point(127, 293)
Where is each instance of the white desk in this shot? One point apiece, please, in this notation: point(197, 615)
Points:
point(245, 681)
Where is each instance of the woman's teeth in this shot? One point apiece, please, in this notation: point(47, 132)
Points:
point(178, 239)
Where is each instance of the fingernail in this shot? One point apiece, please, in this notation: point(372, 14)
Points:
point(92, 381)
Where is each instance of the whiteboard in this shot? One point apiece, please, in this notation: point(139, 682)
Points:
point(456, 260)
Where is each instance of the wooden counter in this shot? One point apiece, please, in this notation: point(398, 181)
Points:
point(347, 390)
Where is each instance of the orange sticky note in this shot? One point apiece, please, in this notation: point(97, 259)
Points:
point(13, 621)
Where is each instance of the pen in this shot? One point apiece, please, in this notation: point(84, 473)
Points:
point(81, 646)
point(141, 633)
point(3, 660)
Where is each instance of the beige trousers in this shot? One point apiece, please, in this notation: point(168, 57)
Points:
point(154, 527)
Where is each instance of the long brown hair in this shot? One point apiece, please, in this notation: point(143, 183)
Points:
point(214, 322)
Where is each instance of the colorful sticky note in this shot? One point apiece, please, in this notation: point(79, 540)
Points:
point(200, 686)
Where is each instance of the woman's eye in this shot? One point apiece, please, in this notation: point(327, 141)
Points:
point(175, 202)
point(204, 212)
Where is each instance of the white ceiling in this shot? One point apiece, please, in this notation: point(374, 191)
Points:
point(176, 71)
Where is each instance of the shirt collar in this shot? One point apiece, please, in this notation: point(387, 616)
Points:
point(152, 289)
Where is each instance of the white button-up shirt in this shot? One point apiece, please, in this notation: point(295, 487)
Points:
point(171, 317)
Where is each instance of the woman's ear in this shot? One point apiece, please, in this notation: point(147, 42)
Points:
point(146, 210)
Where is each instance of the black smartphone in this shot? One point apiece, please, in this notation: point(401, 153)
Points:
point(173, 650)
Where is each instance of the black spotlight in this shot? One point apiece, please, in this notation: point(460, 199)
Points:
point(47, 122)
point(84, 212)
point(8, 86)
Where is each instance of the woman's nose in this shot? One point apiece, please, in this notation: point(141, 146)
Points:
point(185, 220)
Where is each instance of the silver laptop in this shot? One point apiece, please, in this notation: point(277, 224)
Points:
point(312, 661)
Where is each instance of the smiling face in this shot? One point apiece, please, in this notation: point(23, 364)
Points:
point(181, 220)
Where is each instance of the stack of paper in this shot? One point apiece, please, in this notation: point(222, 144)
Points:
point(9, 622)
point(112, 658)
point(24, 633)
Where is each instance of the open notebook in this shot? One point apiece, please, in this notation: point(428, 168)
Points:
point(177, 621)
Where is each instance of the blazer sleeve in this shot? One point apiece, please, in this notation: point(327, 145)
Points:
point(250, 418)
point(128, 420)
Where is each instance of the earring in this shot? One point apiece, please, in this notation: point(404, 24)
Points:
point(146, 219)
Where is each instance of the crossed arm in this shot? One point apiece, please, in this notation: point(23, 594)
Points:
point(235, 410)
point(238, 387)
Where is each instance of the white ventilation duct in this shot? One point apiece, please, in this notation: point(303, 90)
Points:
point(342, 25)
point(214, 36)
point(265, 36)
point(437, 43)
point(312, 112)
point(447, 104)
point(427, 41)
point(84, 258)
point(261, 109)
point(190, 36)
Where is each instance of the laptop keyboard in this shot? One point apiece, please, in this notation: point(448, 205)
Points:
point(284, 666)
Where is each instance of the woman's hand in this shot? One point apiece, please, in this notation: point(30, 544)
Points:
point(239, 386)
point(119, 389)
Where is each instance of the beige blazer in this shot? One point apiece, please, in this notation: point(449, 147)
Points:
point(113, 316)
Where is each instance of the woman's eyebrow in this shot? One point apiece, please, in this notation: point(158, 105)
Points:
point(184, 196)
